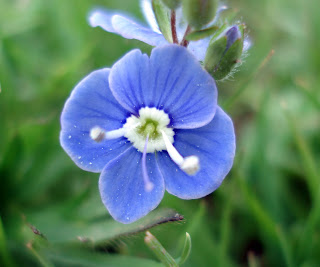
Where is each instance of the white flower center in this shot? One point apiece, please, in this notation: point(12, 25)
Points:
point(149, 132)
point(152, 122)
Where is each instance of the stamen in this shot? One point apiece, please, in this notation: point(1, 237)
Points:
point(148, 185)
point(189, 165)
point(98, 134)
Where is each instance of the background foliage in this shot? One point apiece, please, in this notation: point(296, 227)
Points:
point(267, 211)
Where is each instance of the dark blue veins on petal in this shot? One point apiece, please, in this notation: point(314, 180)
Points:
point(92, 104)
point(122, 186)
point(214, 144)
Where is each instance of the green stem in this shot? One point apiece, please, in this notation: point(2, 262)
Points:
point(159, 251)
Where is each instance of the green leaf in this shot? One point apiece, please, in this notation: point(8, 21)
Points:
point(60, 229)
point(71, 256)
point(159, 251)
point(162, 14)
point(186, 250)
point(5, 257)
point(197, 35)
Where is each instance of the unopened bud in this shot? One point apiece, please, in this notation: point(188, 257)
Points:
point(199, 13)
point(172, 4)
point(224, 52)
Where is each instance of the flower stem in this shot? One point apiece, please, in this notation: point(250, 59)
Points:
point(173, 27)
point(184, 41)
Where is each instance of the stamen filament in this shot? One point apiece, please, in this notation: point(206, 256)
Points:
point(189, 165)
point(173, 153)
point(115, 134)
point(148, 185)
point(98, 134)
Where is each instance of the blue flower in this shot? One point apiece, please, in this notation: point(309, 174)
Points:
point(149, 125)
point(130, 29)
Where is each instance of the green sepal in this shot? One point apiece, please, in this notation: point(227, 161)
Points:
point(214, 54)
point(229, 60)
point(162, 14)
point(199, 13)
point(219, 31)
point(219, 62)
point(197, 35)
point(172, 4)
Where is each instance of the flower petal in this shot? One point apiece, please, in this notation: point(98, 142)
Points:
point(125, 26)
point(131, 30)
point(102, 19)
point(122, 187)
point(171, 80)
point(92, 104)
point(148, 13)
point(214, 144)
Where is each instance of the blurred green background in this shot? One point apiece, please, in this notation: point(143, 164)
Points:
point(267, 211)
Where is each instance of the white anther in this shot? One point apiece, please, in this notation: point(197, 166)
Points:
point(189, 165)
point(97, 134)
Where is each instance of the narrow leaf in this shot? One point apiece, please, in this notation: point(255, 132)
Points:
point(186, 250)
point(197, 35)
point(159, 251)
point(162, 14)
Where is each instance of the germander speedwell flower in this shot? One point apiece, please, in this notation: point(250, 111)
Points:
point(149, 124)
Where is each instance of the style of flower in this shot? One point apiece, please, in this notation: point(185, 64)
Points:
point(149, 124)
point(130, 29)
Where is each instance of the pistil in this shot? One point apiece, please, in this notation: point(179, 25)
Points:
point(148, 185)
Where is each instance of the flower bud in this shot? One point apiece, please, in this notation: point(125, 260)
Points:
point(224, 52)
point(199, 13)
point(172, 4)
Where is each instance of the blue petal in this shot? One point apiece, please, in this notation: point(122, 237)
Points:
point(171, 80)
point(127, 28)
point(214, 144)
point(101, 18)
point(122, 186)
point(131, 30)
point(92, 104)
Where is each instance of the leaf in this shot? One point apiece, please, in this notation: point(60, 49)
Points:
point(58, 229)
point(159, 251)
point(162, 14)
point(69, 256)
point(186, 250)
point(197, 35)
